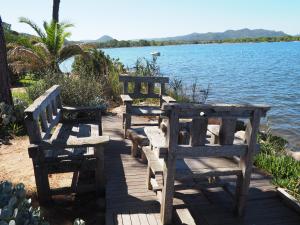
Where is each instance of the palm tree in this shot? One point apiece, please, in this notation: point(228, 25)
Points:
point(48, 50)
point(55, 11)
point(5, 93)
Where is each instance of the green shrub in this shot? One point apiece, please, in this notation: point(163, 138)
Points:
point(11, 120)
point(100, 67)
point(145, 67)
point(76, 91)
point(271, 144)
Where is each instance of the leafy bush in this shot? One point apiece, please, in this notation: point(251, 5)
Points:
point(11, 119)
point(188, 93)
point(102, 68)
point(271, 144)
point(16, 208)
point(145, 67)
point(76, 91)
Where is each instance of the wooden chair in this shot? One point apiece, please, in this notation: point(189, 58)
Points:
point(202, 157)
point(136, 134)
point(64, 139)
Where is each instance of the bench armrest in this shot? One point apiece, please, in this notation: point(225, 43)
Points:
point(126, 99)
point(168, 99)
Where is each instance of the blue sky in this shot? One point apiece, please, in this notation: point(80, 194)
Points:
point(134, 19)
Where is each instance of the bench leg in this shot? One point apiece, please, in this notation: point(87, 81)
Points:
point(242, 189)
point(166, 209)
point(126, 122)
point(134, 149)
point(42, 182)
point(143, 157)
point(149, 175)
point(99, 171)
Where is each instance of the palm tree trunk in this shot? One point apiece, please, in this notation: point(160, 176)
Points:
point(55, 11)
point(5, 92)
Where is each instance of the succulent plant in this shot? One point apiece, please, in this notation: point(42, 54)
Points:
point(78, 222)
point(16, 209)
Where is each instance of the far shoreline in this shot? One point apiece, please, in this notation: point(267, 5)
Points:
point(144, 43)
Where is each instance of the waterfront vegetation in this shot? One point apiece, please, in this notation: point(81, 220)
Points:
point(273, 158)
point(140, 43)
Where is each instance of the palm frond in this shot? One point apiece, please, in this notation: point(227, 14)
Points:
point(51, 31)
point(33, 25)
point(70, 51)
point(20, 58)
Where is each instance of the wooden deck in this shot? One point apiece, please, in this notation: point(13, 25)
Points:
point(129, 202)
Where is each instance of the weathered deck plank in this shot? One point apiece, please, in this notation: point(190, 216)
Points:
point(128, 201)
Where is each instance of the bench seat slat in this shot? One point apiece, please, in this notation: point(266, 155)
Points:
point(145, 110)
point(195, 167)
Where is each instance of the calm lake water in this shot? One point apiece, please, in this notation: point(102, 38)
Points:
point(267, 73)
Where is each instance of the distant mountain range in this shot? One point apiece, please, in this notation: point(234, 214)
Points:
point(104, 38)
point(229, 34)
point(211, 36)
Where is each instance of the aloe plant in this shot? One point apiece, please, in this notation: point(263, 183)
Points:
point(15, 208)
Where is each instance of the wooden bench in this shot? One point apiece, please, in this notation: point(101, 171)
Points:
point(64, 139)
point(139, 84)
point(199, 157)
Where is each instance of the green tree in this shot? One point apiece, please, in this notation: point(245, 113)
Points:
point(49, 48)
point(5, 93)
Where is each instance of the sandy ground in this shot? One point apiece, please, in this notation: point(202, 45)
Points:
point(16, 166)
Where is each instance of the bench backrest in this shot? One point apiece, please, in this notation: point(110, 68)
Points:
point(43, 115)
point(199, 115)
point(150, 82)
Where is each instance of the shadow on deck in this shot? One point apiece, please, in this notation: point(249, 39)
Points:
point(128, 201)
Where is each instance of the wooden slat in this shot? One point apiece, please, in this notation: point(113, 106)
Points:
point(125, 87)
point(198, 132)
point(65, 166)
point(54, 106)
point(169, 169)
point(156, 137)
point(145, 111)
point(126, 98)
point(227, 130)
point(137, 88)
point(168, 99)
point(162, 89)
point(41, 103)
point(141, 95)
point(75, 142)
point(210, 150)
point(150, 88)
point(246, 162)
point(185, 216)
point(153, 161)
point(44, 123)
point(33, 130)
point(144, 79)
point(215, 110)
point(49, 113)
point(52, 125)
